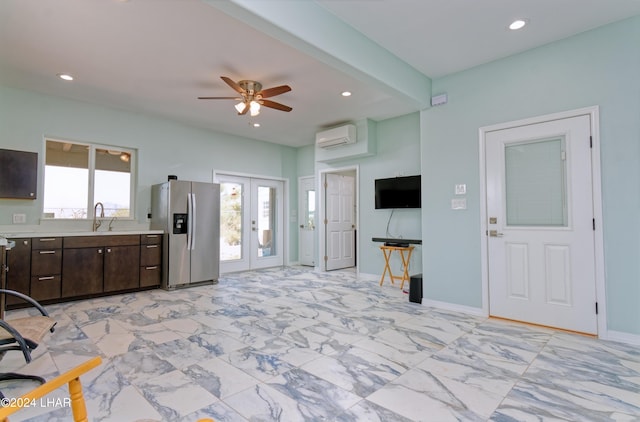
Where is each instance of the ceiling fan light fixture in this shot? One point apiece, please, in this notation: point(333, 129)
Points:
point(254, 108)
point(240, 107)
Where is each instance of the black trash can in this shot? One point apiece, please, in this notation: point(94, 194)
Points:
point(415, 288)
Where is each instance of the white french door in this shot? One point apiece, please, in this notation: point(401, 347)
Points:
point(251, 223)
point(540, 244)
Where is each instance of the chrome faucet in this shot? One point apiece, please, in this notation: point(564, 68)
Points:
point(97, 223)
point(111, 223)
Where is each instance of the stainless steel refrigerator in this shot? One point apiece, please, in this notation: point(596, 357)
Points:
point(189, 214)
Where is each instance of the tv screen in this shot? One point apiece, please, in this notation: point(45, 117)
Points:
point(398, 192)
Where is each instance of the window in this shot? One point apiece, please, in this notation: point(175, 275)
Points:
point(77, 176)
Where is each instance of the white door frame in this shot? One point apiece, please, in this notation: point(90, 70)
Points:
point(593, 112)
point(285, 229)
point(320, 191)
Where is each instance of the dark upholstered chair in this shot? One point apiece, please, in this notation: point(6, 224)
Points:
point(23, 334)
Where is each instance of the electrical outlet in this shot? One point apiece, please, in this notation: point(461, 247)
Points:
point(19, 218)
point(461, 189)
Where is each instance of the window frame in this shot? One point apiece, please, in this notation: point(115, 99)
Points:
point(93, 147)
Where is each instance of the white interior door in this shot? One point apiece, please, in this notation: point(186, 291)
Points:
point(251, 223)
point(306, 220)
point(339, 221)
point(540, 224)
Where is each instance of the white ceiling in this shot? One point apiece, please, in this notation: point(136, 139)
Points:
point(156, 56)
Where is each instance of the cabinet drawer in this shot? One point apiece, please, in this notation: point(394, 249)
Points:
point(45, 287)
point(46, 242)
point(46, 262)
point(151, 239)
point(150, 275)
point(102, 240)
point(150, 254)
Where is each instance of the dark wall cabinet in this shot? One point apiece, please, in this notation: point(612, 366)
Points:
point(18, 174)
point(55, 269)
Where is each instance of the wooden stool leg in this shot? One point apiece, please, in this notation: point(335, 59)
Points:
point(405, 264)
point(78, 407)
point(387, 255)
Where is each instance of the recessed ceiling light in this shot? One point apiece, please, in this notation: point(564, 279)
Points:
point(65, 76)
point(517, 24)
point(346, 94)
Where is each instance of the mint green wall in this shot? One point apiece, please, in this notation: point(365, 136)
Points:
point(398, 154)
point(164, 147)
point(600, 67)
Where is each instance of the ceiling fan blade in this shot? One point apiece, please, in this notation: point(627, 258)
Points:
point(219, 98)
point(273, 104)
point(233, 85)
point(272, 92)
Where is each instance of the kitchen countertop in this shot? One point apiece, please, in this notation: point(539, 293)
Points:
point(79, 233)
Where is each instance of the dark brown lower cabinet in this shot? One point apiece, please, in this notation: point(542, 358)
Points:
point(19, 265)
point(121, 265)
point(55, 269)
point(82, 271)
point(99, 264)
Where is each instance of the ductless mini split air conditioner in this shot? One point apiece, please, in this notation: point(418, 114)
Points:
point(337, 136)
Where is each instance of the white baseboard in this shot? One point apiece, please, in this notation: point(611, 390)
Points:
point(455, 307)
point(621, 337)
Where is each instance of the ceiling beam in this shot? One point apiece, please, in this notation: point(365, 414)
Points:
point(311, 29)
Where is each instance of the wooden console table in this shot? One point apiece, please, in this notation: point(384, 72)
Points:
point(387, 251)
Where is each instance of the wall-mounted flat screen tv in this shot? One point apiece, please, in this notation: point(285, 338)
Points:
point(398, 192)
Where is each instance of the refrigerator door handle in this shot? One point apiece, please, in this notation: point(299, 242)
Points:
point(189, 221)
point(193, 221)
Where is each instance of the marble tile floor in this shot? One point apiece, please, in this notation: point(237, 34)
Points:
point(290, 344)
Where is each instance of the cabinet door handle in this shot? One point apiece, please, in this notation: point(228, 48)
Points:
point(99, 250)
point(108, 250)
point(152, 235)
point(152, 246)
point(47, 252)
point(48, 239)
point(46, 278)
point(155, 267)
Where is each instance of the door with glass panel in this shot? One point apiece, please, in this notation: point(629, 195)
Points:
point(541, 244)
point(307, 220)
point(251, 223)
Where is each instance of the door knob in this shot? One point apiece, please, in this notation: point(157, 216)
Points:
point(494, 233)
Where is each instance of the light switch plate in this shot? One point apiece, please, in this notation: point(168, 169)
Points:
point(461, 189)
point(459, 204)
point(19, 218)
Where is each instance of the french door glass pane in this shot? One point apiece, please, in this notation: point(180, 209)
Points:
point(266, 221)
point(311, 208)
point(535, 177)
point(230, 221)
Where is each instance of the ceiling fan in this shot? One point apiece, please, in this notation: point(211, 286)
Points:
point(252, 96)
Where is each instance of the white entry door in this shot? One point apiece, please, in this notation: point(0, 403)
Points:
point(339, 221)
point(540, 224)
point(251, 223)
point(306, 220)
